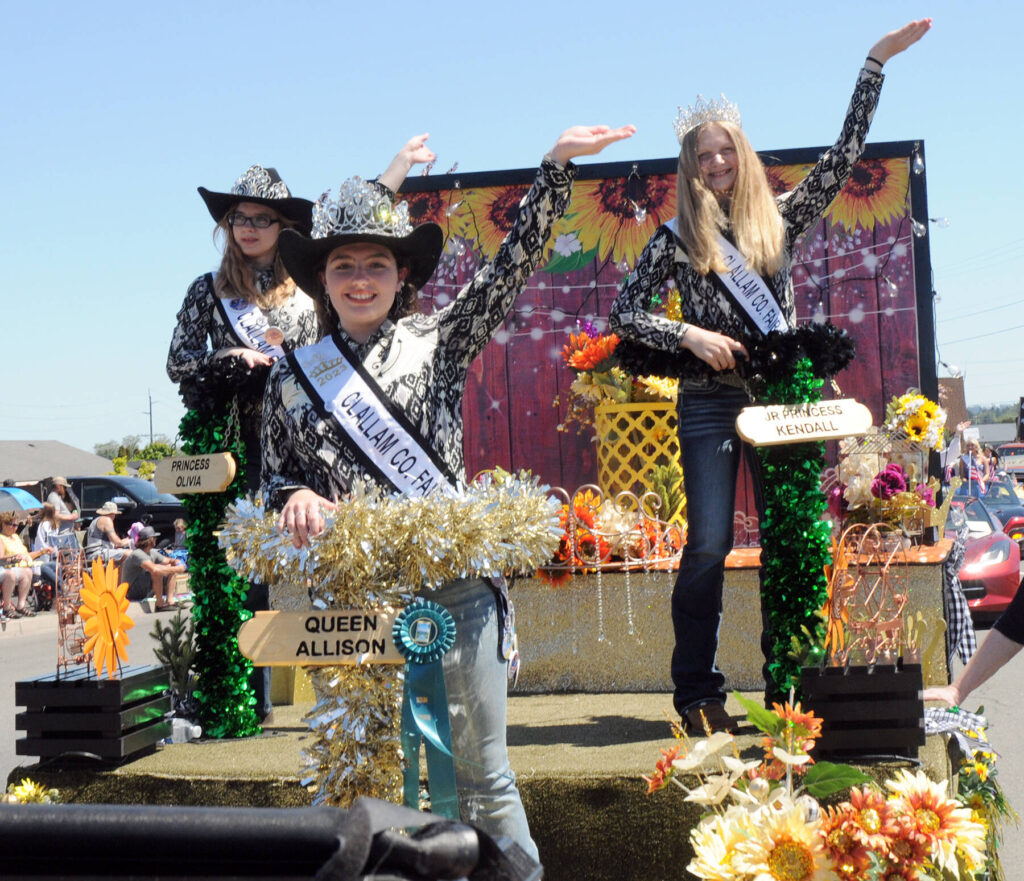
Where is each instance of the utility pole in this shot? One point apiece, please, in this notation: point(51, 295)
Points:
point(149, 394)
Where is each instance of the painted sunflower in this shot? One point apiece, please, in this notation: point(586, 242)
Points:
point(875, 194)
point(488, 214)
point(106, 624)
point(430, 207)
point(784, 178)
point(605, 220)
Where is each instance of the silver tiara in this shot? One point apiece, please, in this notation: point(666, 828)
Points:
point(360, 208)
point(260, 183)
point(702, 111)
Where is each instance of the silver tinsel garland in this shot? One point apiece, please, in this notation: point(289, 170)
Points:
point(376, 551)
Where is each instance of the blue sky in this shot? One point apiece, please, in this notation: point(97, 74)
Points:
point(115, 112)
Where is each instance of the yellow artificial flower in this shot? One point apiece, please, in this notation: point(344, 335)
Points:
point(785, 847)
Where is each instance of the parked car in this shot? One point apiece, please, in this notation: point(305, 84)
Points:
point(137, 499)
point(991, 571)
point(1011, 458)
point(1001, 499)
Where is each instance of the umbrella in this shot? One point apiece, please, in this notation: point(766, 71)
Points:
point(13, 498)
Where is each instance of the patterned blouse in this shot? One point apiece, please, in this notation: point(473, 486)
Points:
point(703, 304)
point(419, 362)
point(205, 381)
point(200, 319)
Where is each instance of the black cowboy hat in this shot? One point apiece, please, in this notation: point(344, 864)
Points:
point(363, 212)
point(304, 258)
point(262, 186)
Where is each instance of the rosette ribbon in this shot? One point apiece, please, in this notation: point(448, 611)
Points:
point(423, 632)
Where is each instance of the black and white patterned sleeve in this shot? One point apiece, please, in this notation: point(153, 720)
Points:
point(631, 316)
point(804, 206)
point(469, 322)
point(283, 471)
point(189, 353)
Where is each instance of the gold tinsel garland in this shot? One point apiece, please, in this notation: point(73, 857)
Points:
point(376, 551)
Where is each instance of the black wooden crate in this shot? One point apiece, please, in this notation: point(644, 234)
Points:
point(82, 713)
point(866, 711)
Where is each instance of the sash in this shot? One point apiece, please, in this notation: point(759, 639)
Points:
point(387, 444)
point(248, 324)
point(744, 287)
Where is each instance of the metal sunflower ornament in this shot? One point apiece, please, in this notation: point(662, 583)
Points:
point(105, 603)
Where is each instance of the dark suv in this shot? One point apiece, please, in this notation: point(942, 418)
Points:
point(137, 499)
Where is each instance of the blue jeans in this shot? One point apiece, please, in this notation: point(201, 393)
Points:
point(710, 451)
point(477, 684)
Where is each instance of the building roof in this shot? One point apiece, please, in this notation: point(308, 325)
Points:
point(32, 460)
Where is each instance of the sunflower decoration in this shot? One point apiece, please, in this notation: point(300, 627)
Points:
point(613, 217)
point(783, 178)
point(106, 624)
point(946, 826)
point(786, 846)
point(488, 214)
point(875, 194)
point(919, 418)
point(431, 206)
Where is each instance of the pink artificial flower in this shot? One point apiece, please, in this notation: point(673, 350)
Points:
point(925, 494)
point(888, 482)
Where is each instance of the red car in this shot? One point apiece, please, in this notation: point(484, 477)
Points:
point(991, 570)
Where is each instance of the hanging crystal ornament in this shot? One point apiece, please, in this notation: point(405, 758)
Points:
point(920, 230)
point(454, 206)
point(636, 195)
point(918, 163)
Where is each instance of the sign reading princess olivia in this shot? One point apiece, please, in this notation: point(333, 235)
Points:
point(795, 423)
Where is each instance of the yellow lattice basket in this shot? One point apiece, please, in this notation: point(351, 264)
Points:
point(631, 440)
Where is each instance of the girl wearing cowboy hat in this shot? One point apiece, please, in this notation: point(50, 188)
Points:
point(235, 323)
point(727, 215)
point(364, 265)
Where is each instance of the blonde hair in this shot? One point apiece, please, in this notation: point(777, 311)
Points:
point(236, 276)
point(753, 215)
point(50, 515)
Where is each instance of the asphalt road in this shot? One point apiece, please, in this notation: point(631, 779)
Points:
point(28, 648)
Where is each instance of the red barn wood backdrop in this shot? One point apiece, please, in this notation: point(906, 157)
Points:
point(865, 267)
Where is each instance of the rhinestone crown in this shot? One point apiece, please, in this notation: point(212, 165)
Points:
point(360, 208)
point(702, 111)
point(259, 182)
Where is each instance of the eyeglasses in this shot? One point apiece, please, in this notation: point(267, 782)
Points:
point(259, 221)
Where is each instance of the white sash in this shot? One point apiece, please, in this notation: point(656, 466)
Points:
point(250, 326)
point(391, 447)
point(745, 287)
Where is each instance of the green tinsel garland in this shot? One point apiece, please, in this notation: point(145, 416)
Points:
point(795, 541)
point(225, 695)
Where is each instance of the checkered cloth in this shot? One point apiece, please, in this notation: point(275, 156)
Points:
point(960, 638)
point(967, 728)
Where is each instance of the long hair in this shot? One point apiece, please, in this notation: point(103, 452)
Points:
point(753, 215)
point(236, 277)
point(50, 515)
point(406, 303)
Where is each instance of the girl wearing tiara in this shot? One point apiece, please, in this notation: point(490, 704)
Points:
point(236, 322)
point(364, 266)
point(727, 215)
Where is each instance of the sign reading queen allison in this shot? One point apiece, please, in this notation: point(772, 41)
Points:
point(793, 423)
point(387, 443)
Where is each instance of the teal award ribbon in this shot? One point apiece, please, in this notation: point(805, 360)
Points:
point(423, 632)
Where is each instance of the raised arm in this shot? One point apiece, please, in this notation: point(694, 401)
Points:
point(898, 41)
point(804, 206)
point(413, 153)
point(469, 321)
